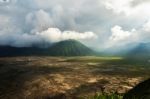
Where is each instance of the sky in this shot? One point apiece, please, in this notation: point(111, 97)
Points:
point(99, 24)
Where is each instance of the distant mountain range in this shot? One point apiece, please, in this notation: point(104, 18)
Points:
point(74, 48)
point(142, 50)
point(63, 48)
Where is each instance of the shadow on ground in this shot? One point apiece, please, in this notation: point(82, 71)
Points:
point(14, 75)
point(58, 78)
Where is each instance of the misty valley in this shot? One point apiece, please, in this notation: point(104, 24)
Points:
point(70, 70)
point(74, 49)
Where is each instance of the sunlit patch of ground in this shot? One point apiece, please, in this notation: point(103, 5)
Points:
point(71, 77)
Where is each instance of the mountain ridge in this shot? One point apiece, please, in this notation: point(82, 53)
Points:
point(141, 51)
point(62, 48)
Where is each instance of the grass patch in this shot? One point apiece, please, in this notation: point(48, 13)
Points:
point(93, 59)
point(105, 96)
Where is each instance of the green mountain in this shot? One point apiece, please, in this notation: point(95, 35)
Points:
point(63, 48)
point(70, 48)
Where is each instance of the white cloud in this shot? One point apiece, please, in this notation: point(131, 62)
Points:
point(4, 1)
point(39, 21)
point(26, 19)
point(118, 6)
point(51, 35)
point(55, 35)
point(125, 6)
point(38, 24)
point(138, 2)
point(146, 26)
point(135, 13)
point(122, 37)
point(6, 25)
point(118, 34)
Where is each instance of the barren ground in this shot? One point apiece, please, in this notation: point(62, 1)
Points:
point(67, 77)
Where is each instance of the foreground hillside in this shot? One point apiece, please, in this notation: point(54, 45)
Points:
point(141, 91)
point(68, 77)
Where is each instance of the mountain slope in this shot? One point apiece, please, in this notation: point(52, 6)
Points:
point(63, 48)
point(20, 51)
point(140, 52)
point(141, 91)
point(70, 48)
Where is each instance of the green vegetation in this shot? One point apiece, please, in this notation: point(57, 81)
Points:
point(70, 48)
point(110, 60)
point(63, 48)
point(105, 96)
point(94, 59)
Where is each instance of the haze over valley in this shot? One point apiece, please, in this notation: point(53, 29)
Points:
point(74, 49)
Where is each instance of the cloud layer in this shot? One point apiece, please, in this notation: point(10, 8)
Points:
point(36, 27)
point(97, 23)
